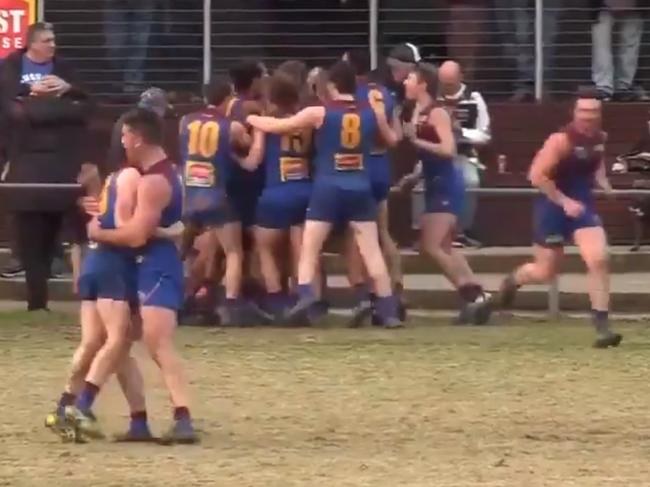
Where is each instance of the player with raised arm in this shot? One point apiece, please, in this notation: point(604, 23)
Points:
point(379, 170)
point(283, 203)
point(345, 130)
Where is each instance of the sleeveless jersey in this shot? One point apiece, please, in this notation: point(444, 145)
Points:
point(375, 94)
point(107, 202)
point(574, 174)
point(286, 158)
point(343, 144)
point(244, 187)
point(171, 214)
point(433, 166)
point(205, 158)
point(235, 109)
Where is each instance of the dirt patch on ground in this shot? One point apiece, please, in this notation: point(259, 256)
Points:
point(521, 405)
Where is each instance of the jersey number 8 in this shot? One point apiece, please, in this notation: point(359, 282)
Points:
point(351, 131)
point(204, 139)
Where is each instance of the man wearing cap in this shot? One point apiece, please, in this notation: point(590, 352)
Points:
point(401, 60)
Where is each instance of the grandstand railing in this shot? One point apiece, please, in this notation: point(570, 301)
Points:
point(185, 41)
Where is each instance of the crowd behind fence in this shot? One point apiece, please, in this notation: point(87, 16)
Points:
point(508, 48)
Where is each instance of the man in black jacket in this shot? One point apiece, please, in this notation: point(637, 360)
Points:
point(46, 112)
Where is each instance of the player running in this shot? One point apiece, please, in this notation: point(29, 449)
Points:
point(565, 170)
point(345, 132)
point(430, 130)
point(159, 267)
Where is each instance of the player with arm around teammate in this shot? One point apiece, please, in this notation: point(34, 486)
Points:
point(565, 170)
point(159, 267)
point(344, 132)
point(283, 203)
point(379, 170)
point(208, 141)
point(107, 290)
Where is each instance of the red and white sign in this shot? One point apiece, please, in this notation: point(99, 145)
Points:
point(15, 17)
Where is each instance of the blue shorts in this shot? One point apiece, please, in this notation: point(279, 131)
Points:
point(160, 278)
point(212, 217)
point(244, 189)
point(108, 273)
point(333, 204)
point(445, 194)
point(552, 227)
point(245, 207)
point(283, 206)
point(379, 174)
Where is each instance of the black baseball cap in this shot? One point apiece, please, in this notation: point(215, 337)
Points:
point(405, 53)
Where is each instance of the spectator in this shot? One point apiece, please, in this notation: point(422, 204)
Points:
point(516, 22)
point(619, 82)
point(470, 115)
point(47, 111)
point(127, 26)
point(466, 33)
point(400, 62)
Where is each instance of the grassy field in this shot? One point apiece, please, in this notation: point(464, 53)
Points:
point(527, 404)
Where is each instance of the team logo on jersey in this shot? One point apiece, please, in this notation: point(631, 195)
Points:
point(293, 169)
point(199, 174)
point(348, 162)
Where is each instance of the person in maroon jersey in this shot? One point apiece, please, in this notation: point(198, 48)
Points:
point(566, 169)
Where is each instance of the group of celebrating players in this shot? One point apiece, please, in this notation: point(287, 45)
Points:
point(269, 168)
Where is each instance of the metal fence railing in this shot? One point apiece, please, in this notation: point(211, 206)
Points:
point(531, 48)
point(119, 46)
point(314, 31)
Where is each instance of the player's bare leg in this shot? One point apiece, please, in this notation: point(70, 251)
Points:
point(267, 243)
point(367, 238)
point(320, 307)
point(158, 325)
point(132, 384)
point(314, 236)
point(237, 311)
point(543, 268)
point(592, 244)
point(392, 256)
point(92, 339)
point(358, 279)
point(438, 230)
point(115, 319)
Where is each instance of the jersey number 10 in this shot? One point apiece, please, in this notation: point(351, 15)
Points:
point(204, 139)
